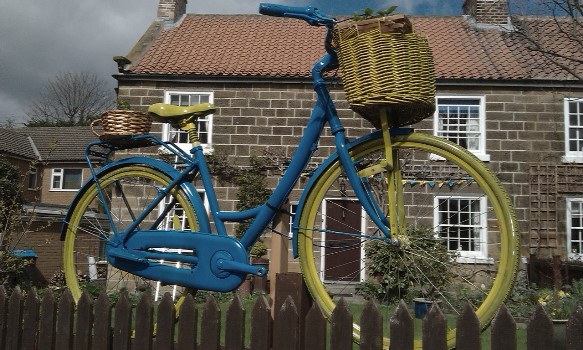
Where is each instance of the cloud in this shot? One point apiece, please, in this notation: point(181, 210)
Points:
point(40, 39)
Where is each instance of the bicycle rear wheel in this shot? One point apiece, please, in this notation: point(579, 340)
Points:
point(460, 239)
point(128, 190)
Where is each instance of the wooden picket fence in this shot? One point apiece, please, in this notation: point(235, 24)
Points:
point(27, 322)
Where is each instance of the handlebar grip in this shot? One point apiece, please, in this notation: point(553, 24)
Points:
point(277, 10)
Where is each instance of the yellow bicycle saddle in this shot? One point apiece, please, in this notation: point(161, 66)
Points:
point(167, 113)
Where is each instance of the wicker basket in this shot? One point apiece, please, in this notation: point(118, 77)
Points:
point(385, 64)
point(122, 123)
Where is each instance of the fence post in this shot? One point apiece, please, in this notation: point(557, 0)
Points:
point(30, 324)
point(315, 329)
point(235, 323)
point(187, 324)
point(503, 331)
point(286, 329)
point(14, 320)
point(65, 319)
point(261, 325)
point(434, 329)
point(402, 328)
point(291, 284)
point(341, 327)
point(48, 317)
point(143, 325)
point(468, 330)
point(210, 327)
point(539, 332)
point(165, 323)
point(84, 327)
point(102, 325)
point(574, 337)
point(371, 327)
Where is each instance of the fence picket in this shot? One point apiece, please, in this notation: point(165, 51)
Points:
point(235, 323)
point(341, 327)
point(315, 329)
point(539, 331)
point(286, 331)
point(402, 328)
point(503, 331)
point(84, 325)
point(574, 334)
point(30, 322)
point(165, 323)
point(468, 330)
point(434, 329)
point(261, 325)
point(102, 332)
point(122, 323)
point(210, 327)
point(143, 327)
point(187, 322)
point(165, 320)
point(3, 316)
point(14, 319)
point(48, 319)
point(371, 324)
point(65, 319)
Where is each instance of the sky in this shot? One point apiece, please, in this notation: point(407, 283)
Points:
point(41, 39)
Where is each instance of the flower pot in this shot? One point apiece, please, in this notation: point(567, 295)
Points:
point(560, 333)
point(423, 305)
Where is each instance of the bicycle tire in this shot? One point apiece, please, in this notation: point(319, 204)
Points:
point(87, 231)
point(417, 149)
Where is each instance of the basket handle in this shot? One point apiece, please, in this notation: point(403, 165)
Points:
point(92, 126)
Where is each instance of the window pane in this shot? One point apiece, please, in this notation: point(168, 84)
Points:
point(72, 179)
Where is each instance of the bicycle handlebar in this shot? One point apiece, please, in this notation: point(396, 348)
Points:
point(309, 14)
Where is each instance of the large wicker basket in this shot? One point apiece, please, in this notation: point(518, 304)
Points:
point(120, 123)
point(385, 64)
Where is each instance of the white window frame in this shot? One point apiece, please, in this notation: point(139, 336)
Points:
point(569, 216)
point(477, 256)
point(167, 130)
point(33, 179)
point(60, 173)
point(573, 156)
point(480, 152)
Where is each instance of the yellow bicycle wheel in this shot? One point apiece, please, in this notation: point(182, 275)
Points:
point(128, 190)
point(460, 240)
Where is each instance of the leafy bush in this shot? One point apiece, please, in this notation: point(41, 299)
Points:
point(397, 269)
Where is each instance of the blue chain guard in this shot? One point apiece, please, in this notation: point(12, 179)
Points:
point(210, 268)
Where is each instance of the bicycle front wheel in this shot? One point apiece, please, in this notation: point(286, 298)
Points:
point(128, 189)
point(458, 232)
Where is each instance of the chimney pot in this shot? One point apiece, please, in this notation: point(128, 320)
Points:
point(171, 10)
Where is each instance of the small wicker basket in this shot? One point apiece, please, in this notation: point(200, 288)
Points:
point(120, 123)
point(384, 64)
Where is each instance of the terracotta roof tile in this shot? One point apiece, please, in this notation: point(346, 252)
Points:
point(261, 46)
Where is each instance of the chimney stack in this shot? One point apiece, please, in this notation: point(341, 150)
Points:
point(489, 12)
point(171, 10)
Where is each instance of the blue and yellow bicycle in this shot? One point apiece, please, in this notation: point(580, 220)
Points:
point(142, 224)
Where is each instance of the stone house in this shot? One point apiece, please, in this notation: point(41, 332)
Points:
point(52, 163)
point(255, 69)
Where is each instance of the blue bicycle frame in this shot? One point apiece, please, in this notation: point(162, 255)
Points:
point(221, 261)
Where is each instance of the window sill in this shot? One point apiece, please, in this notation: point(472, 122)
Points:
point(474, 260)
point(481, 156)
point(572, 159)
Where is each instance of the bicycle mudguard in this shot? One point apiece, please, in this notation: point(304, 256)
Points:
point(331, 159)
point(166, 168)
